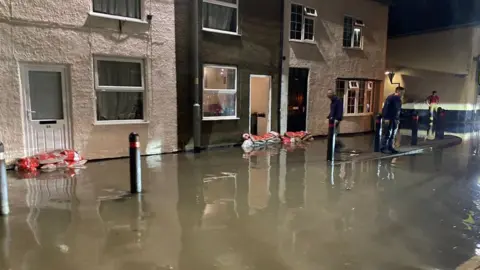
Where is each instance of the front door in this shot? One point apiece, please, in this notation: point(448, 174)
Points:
point(297, 99)
point(47, 124)
point(260, 86)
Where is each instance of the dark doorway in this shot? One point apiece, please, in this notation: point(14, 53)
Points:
point(297, 99)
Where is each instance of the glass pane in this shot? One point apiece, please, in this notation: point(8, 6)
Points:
point(368, 101)
point(347, 31)
point(340, 89)
point(46, 97)
point(357, 37)
point(124, 8)
point(351, 101)
point(219, 17)
point(219, 104)
point(219, 78)
point(308, 29)
point(119, 106)
point(296, 18)
point(114, 73)
point(361, 98)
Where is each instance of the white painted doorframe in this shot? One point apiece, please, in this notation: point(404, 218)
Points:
point(28, 123)
point(269, 120)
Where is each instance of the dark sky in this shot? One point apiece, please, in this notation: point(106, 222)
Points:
point(413, 16)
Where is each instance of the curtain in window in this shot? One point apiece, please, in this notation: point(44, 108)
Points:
point(112, 73)
point(125, 8)
point(219, 17)
point(119, 106)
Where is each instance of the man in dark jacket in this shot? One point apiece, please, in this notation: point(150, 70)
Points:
point(391, 119)
point(336, 113)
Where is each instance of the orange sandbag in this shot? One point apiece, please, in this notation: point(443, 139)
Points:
point(28, 164)
point(71, 155)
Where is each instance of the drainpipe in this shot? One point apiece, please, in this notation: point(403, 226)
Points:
point(280, 67)
point(197, 83)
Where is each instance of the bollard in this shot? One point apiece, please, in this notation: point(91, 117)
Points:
point(331, 139)
point(135, 163)
point(440, 124)
point(4, 207)
point(414, 128)
point(378, 133)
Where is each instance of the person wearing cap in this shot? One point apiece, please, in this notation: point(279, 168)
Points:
point(336, 113)
point(433, 100)
point(391, 119)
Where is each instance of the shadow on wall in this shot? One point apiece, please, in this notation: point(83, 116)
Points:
point(307, 51)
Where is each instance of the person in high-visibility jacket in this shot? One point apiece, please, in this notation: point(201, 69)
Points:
point(433, 100)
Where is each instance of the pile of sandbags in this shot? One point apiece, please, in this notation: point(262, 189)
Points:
point(296, 137)
point(51, 161)
point(252, 142)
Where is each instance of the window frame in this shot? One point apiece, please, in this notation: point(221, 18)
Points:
point(354, 26)
point(221, 91)
point(142, 19)
point(114, 89)
point(305, 15)
point(347, 89)
point(220, 3)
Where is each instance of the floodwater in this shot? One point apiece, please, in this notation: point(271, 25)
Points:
point(281, 209)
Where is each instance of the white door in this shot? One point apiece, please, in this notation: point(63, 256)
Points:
point(47, 125)
point(260, 97)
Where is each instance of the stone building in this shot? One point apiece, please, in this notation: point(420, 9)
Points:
point(83, 74)
point(338, 45)
point(240, 59)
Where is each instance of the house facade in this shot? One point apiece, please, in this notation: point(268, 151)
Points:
point(240, 45)
point(439, 54)
point(333, 45)
point(83, 74)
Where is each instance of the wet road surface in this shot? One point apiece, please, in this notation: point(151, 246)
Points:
point(279, 210)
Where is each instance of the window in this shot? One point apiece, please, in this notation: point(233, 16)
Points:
point(120, 89)
point(219, 92)
point(302, 23)
point(352, 33)
point(124, 8)
point(220, 15)
point(357, 95)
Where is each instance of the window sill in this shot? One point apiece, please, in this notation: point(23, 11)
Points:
point(221, 118)
point(303, 41)
point(120, 122)
point(115, 17)
point(221, 32)
point(357, 114)
point(353, 48)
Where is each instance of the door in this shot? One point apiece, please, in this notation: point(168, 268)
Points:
point(297, 99)
point(260, 105)
point(47, 124)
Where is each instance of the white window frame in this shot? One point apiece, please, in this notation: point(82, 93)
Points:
point(220, 3)
point(225, 91)
point(121, 18)
point(348, 84)
point(360, 28)
point(305, 15)
point(107, 88)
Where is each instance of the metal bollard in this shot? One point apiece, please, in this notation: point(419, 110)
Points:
point(378, 133)
point(414, 128)
point(440, 124)
point(135, 163)
point(4, 207)
point(331, 139)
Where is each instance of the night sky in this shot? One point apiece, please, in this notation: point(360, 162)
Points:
point(414, 16)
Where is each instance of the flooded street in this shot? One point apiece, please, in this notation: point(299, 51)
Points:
point(280, 210)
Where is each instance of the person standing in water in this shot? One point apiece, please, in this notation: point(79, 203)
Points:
point(336, 113)
point(391, 119)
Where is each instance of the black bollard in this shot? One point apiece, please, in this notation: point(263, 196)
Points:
point(331, 139)
point(4, 207)
point(135, 164)
point(378, 133)
point(440, 124)
point(414, 128)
